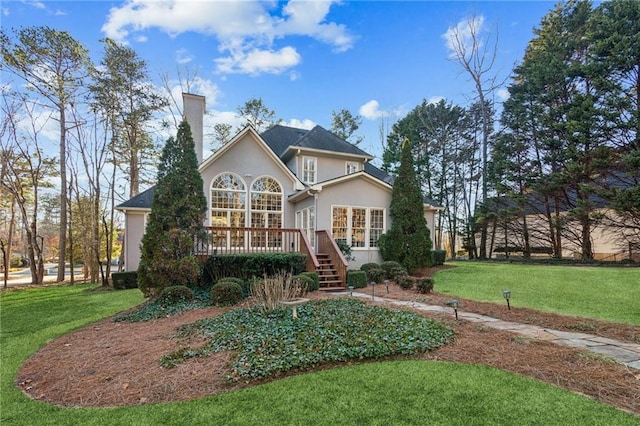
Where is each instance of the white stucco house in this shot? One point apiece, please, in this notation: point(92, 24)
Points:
point(285, 189)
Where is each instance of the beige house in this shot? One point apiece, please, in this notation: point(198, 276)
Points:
point(285, 189)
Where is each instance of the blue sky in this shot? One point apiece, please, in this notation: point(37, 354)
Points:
point(379, 59)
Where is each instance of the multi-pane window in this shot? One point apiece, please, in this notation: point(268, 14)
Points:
point(306, 220)
point(376, 226)
point(309, 169)
point(266, 211)
point(340, 223)
point(228, 201)
point(360, 227)
point(352, 167)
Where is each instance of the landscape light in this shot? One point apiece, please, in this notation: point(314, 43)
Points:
point(386, 282)
point(373, 286)
point(454, 304)
point(507, 295)
point(350, 290)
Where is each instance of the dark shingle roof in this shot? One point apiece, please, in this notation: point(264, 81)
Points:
point(279, 138)
point(141, 201)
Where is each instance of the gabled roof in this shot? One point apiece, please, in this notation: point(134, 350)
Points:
point(142, 201)
point(283, 139)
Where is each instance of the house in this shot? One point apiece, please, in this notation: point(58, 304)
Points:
point(285, 189)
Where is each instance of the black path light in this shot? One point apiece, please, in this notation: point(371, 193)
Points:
point(507, 295)
point(373, 289)
point(454, 304)
point(386, 283)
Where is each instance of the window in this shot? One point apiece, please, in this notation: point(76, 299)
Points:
point(360, 227)
point(266, 211)
point(309, 171)
point(376, 226)
point(306, 220)
point(352, 167)
point(228, 201)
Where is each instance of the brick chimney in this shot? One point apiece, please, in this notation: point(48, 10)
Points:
point(194, 108)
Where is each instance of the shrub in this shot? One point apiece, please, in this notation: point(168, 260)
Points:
point(376, 275)
point(397, 273)
point(269, 291)
point(345, 248)
point(424, 285)
point(439, 256)
point(357, 279)
point(252, 265)
point(406, 282)
point(365, 267)
point(316, 280)
point(388, 265)
point(226, 293)
point(175, 294)
point(124, 280)
point(244, 285)
point(304, 282)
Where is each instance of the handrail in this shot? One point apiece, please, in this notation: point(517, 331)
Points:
point(312, 260)
point(326, 244)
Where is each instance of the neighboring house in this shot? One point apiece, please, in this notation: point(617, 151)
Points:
point(608, 242)
point(283, 190)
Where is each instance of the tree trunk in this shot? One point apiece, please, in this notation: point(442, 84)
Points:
point(62, 244)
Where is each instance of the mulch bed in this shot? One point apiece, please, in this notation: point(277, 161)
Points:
point(115, 364)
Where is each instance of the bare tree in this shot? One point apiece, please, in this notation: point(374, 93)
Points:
point(25, 172)
point(476, 56)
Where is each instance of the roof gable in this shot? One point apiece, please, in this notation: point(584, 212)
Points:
point(142, 201)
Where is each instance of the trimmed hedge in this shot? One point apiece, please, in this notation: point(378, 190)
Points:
point(397, 272)
point(376, 275)
point(388, 266)
point(406, 282)
point(250, 265)
point(305, 282)
point(424, 285)
point(226, 293)
point(124, 280)
point(366, 266)
point(316, 280)
point(357, 279)
point(439, 256)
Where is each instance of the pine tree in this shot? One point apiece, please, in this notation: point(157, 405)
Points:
point(409, 240)
point(176, 218)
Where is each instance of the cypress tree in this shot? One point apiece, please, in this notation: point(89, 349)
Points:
point(409, 240)
point(176, 219)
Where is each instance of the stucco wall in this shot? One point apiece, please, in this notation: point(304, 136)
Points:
point(134, 224)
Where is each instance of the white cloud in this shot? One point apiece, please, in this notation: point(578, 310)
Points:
point(258, 61)
point(503, 94)
point(183, 56)
point(459, 39)
point(246, 30)
point(371, 110)
point(300, 124)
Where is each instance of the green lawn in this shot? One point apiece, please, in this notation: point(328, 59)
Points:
point(606, 293)
point(395, 392)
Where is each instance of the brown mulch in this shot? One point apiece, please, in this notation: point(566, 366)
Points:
point(114, 363)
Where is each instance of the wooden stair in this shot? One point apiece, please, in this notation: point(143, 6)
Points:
point(327, 274)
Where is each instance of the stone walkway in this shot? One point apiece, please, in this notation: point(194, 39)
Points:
point(625, 353)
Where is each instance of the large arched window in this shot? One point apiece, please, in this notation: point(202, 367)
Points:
point(228, 201)
point(266, 210)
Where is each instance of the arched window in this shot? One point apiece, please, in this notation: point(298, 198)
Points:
point(266, 211)
point(228, 201)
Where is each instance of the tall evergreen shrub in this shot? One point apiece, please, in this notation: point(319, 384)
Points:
point(176, 218)
point(408, 241)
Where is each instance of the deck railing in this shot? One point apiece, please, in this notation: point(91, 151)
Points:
point(235, 240)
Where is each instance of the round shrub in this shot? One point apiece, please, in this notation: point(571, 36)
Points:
point(376, 275)
point(315, 278)
point(424, 285)
point(388, 265)
point(175, 294)
point(406, 282)
point(366, 266)
point(305, 282)
point(356, 279)
point(397, 272)
point(226, 293)
point(244, 285)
